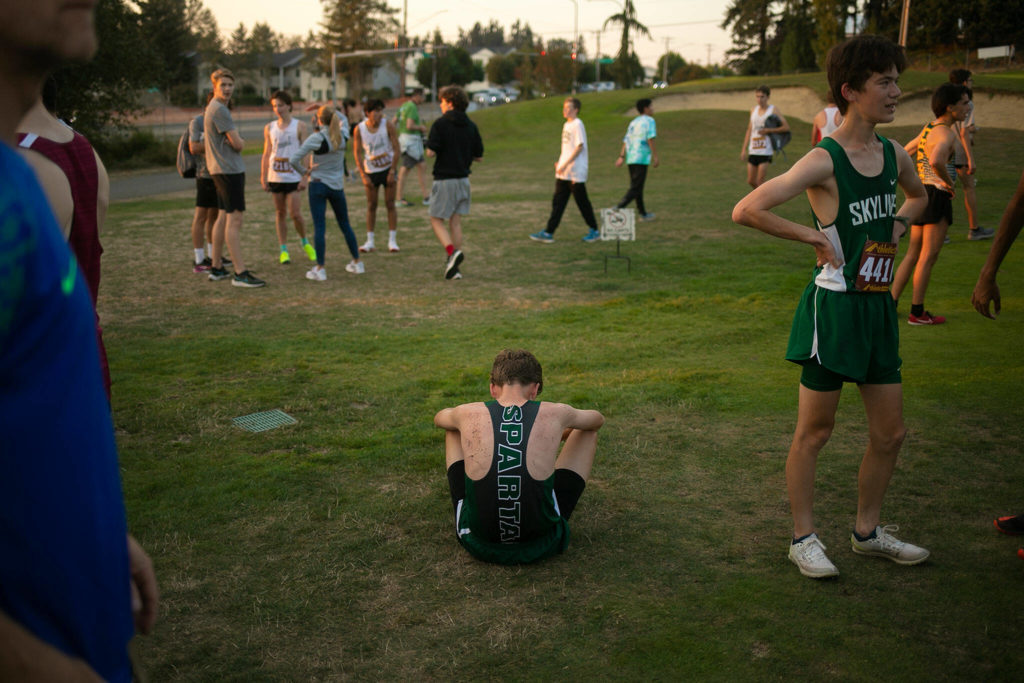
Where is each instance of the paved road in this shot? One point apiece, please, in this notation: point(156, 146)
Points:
point(140, 184)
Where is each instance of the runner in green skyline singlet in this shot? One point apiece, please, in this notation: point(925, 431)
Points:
point(845, 329)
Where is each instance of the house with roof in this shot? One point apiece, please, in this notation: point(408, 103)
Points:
point(301, 73)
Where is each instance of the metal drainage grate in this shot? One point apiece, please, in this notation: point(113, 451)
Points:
point(261, 422)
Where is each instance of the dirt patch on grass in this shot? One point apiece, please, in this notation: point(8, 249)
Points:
point(994, 110)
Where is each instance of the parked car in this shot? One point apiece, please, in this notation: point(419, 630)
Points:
point(490, 97)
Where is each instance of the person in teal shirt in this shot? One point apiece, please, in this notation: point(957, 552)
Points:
point(639, 152)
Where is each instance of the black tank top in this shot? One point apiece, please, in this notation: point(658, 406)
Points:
point(510, 506)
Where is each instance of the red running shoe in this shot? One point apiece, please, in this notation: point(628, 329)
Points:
point(1012, 525)
point(926, 318)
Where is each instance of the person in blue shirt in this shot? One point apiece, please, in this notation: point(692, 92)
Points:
point(639, 152)
point(74, 586)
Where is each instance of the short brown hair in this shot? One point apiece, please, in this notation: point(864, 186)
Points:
point(455, 96)
point(947, 95)
point(517, 366)
point(282, 96)
point(219, 74)
point(853, 62)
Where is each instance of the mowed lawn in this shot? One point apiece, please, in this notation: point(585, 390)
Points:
point(325, 550)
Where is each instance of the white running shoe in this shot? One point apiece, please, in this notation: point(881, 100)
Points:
point(366, 248)
point(393, 247)
point(884, 544)
point(357, 268)
point(316, 274)
point(809, 556)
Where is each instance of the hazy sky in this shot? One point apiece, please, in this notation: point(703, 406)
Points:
point(691, 27)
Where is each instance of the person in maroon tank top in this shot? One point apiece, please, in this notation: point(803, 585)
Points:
point(78, 189)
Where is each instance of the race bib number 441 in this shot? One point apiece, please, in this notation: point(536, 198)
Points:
point(877, 262)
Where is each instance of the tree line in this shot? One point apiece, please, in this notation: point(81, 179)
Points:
point(782, 36)
point(157, 46)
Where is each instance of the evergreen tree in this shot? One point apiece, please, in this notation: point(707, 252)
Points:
point(751, 24)
point(794, 37)
point(263, 43)
point(236, 55)
point(829, 22)
point(521, 36)
point(205, 32)
point(100, 97)
point(492, 36)
point(170, 44)
point(351, 25)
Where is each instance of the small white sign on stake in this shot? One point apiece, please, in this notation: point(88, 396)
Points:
point(618, 224)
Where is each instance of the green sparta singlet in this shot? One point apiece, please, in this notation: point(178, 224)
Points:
point(508, 517)
point(846, 319)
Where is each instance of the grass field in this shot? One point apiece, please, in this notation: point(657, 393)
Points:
point(325, 550)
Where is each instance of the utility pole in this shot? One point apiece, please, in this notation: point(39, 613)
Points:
point(904, 20)
point(575, 40)
point(433, 78)
point(664, 62)
point(597, 57)
point(404, 56)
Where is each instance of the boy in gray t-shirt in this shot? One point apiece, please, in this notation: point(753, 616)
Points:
point(224, 160)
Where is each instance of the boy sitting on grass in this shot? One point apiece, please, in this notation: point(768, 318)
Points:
point(512, 489)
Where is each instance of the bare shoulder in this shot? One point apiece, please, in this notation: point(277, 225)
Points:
point(552, 408)
point(458, 416)
point(55, 185)
point(566, 416)
point(813, 169)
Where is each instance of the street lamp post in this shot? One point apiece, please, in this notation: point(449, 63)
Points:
point(575, 41)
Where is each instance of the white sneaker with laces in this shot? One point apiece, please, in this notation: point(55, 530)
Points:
point(367, 247)
point(809, 557)
point(357, 268)
point(393, 247)
point(884, 544)
point(316, 274)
